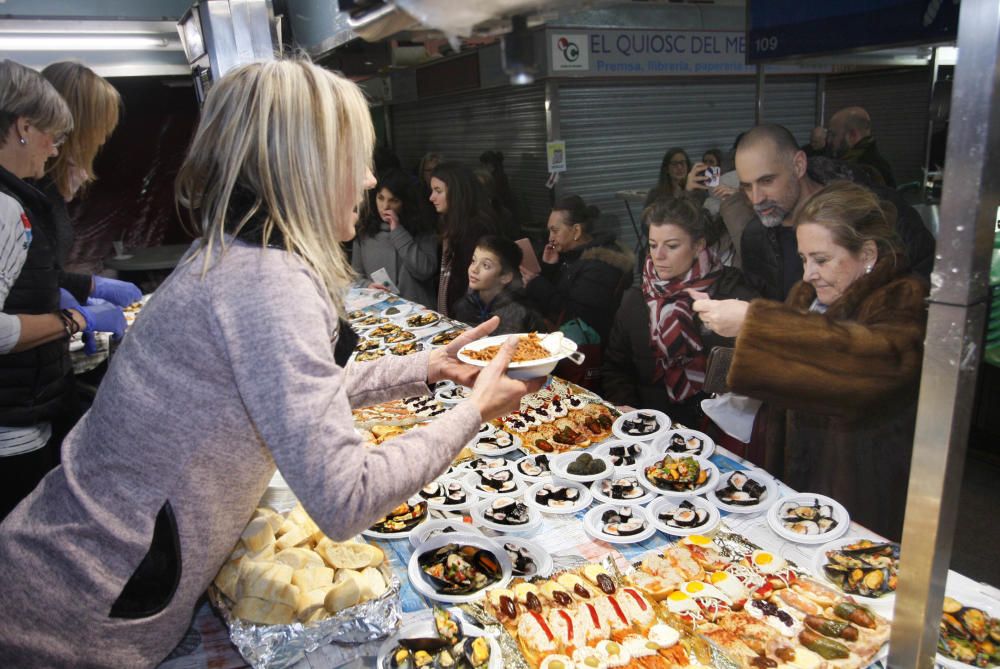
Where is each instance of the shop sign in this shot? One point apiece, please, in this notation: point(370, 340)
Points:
point(617, 53)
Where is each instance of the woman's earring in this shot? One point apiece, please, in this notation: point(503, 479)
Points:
point(22, 141)
point(868, 269)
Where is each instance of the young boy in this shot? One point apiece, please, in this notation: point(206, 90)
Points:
point(491, 273)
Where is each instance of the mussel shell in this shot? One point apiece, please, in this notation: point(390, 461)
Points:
point(428, 644)
point(974, 621)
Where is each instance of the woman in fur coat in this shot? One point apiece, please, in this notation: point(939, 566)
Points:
point(838, 363)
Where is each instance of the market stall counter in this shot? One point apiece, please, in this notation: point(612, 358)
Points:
point(681, 553)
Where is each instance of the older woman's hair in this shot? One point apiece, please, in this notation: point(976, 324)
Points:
point(853, 215)
point(94, 104)
point(679, 211)
point(298, 140)
point(579, 213)
point(25, 93)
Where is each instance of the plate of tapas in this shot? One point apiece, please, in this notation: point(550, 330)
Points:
point(680, 476)
point(506, 515)
point(618, 524)
point(559, 497)
point(457, 568)
point(808, 518)
point(682, 441)
point(582, 467)
point(620, 489)
point(641, 425)
point(536, 355)
point(745, 491)
point(429, 639)
point(401, 521)
point(683, 517)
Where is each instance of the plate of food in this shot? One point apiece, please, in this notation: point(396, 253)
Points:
point(862, 568)
point(441, 526)
point(397, 310)
point(746, 491)
point(452, 394)
point(681, 518)
point(624, 455)
point(641, 425)
point(506, 514)
point(446, 337)
point(496, 442)
point(680, 476)
point(448, 494)
point(682, 441)
point(406, 348)
point(526, 557)
point(384, 330)
point(424, 319)
point(439, 638)
point(560, 497)
point(535, 355)
point(617, 524)
point(580, 467)
point(808, 518)
point(368, 345)
point(401, 521)
point(369, 321)
point(368, 356)
point(400, 337)
point(457, 568)
point(495, 482)
point(357, 315)
point(970, 630)
point(483, 462)
point(620, 489)
point(533, 468)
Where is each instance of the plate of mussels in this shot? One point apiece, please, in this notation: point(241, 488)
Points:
point(448, 494)
point(618, 524)
point(685, 442)
point(580, 467)
point(969, 629)
point(399, 522)
point(808, 518)
point(526, 557)
point(624, 455)
point(533, 468)
point(441, 526)
point(681, 518)
point(506, 514)
point(562, 497)
point(439, 638)
point(862, 568)
point(745, 491)
point(641, 425)
point(620, 489)
point(456, 568)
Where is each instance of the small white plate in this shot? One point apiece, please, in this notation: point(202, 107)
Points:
point(604, 450)
point(528, 369)
point(453, 395)
point(543, 561)
point(459, 526)
point(592, 525)
point(482, 462)
point(663, 503)
point(477, 447)
point(769, 497)
point(546, 476)
point(400, 535)
point(662, 419)
point(473, 479)
point(559, 463)
point(433, 344)
point(416, 328)
point(971, 596)
point(595, 489)
point(710, 483)
point(421, 585)
point(808, 499)
point(534, 520)
point(421, 625)
point(399, 310)
point(662, 443)
point(470, 496)
point(582, 502)
point(881, 605)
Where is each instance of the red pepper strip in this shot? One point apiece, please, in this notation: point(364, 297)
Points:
point(593, 616)
point(618, 609)
point(637, 597)
point(541, 623)
point(569, 624)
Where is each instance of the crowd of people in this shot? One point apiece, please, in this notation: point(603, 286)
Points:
point(799, 261)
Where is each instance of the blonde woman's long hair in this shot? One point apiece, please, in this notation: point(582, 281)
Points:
point(299, 140)
point(95, 105)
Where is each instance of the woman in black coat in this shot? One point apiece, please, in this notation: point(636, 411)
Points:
point(656, 355)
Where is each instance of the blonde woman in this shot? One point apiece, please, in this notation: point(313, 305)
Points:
point(104, 562)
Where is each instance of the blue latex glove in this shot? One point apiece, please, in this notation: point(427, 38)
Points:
point(67, 301)
point(101, 316)
point(117, 292)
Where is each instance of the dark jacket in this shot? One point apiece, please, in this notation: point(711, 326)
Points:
point(36, 383)
point(77, 284)
point(865, 154)
point(510, 305)
point(761, 252)
point(585, 283)
point(841, 389)
point(629, 364)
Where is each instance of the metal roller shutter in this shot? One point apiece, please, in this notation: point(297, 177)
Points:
point(898, 102)
point(461, 127)
point(616, 134)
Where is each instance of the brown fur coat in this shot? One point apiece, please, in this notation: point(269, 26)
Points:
point(841, 389)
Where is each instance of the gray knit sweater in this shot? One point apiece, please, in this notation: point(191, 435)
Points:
point(220, 379)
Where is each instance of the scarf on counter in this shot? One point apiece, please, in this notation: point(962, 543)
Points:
point(674, 337)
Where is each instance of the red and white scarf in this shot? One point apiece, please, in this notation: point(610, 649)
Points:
point(674, 337)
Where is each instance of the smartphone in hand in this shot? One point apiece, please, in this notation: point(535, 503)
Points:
point(712, 175)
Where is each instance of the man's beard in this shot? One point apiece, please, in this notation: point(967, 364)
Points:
point(773, 219)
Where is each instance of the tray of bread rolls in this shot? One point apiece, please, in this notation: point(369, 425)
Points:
point(288, 589)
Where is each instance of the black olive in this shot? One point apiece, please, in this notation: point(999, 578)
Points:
point(508, 607)
point(581, 591)
point(606, 584)
point(561, 598)
point(531, 601)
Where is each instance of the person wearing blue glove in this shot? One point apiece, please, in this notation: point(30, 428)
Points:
point(100, 316)
point(115, 291)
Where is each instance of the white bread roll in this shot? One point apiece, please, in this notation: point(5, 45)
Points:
point(343, 595)
point(266, 574)
point(265, 554)
point(257, 535)
point(293, 537)
point(263, 612)
point(349, 555)
point(299, 516)
point(310, 578)
point(375, 581)
point(227, 579)
point(273, 518)
point(312, 605)
point(298, 558)
point(272, 591)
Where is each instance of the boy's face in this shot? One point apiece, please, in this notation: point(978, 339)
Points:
point(486, 273)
